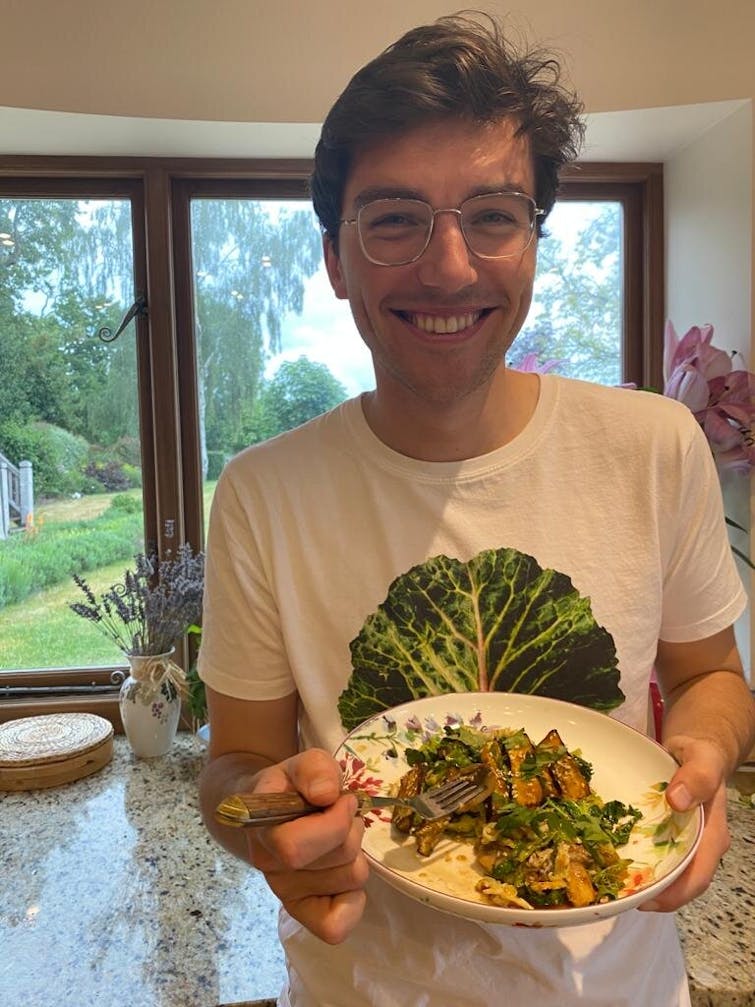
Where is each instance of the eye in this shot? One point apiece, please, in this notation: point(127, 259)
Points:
point(493, 218)
point(395, 220)
point(497, 214)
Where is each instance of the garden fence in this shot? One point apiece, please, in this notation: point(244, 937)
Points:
point(16, 496)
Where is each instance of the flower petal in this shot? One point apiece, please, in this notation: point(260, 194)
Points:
point(670, 343)
point(722, 434)
point(689, 386)
point(712, 362)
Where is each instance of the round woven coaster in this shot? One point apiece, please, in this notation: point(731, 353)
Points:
point(52, 737)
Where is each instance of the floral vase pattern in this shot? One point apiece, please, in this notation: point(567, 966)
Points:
point(150, 703)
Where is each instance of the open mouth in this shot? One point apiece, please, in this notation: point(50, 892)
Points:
point(443, 324)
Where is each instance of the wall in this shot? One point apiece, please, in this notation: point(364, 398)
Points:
point(708, 197)
point(708, 202)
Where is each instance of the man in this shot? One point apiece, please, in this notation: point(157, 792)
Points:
point(435, 170)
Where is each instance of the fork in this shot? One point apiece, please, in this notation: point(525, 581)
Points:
point(246, 810)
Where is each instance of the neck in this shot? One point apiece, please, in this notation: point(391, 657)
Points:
point(442, 432)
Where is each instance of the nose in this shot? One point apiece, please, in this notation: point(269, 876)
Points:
point(447, 262)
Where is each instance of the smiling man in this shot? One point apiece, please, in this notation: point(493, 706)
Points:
point(464, 526)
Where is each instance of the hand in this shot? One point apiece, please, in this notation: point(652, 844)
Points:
point(700, 779)
point(314, 865)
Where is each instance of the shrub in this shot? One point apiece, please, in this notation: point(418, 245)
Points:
point(126, 504)
point(26, 443)
point(114, 467)
point(110, 475)
point(30, 563)
point(57, 456)
point(134, 475)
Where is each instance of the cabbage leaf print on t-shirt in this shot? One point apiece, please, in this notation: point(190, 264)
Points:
point(499, 622)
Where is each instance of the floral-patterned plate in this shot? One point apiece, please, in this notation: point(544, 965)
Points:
point(627, 766)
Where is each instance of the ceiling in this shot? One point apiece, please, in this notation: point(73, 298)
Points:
point(654, 134)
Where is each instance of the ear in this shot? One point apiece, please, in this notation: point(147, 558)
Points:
point(333, 266)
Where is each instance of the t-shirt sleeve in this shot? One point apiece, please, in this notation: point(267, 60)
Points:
point(242, 652)
point(702, 590)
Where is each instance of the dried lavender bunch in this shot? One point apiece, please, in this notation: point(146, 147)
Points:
point(152, 606)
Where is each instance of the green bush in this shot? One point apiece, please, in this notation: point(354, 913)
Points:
point(57, 456)
point(134, 475)
point(109, 474)
point(26, 443)
point(52, 554)
point(125, 504)
point(112, 468)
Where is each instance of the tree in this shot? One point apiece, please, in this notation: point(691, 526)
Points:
point(300, 390)
point(62, 260)
point(251, 259)
point(576, 315)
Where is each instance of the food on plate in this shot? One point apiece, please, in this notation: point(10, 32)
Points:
point(540, 834)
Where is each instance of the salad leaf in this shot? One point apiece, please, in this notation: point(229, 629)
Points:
point(499, 622)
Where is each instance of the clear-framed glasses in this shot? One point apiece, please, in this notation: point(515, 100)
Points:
point(396, 231)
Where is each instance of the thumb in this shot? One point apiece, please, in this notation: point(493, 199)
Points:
point(700, 772)
point(678, 795)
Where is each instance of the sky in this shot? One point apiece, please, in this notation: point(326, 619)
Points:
point(325, 332)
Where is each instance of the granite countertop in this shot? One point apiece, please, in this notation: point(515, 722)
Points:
point(114, 893)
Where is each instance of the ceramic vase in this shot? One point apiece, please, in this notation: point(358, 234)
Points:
point(150, 705)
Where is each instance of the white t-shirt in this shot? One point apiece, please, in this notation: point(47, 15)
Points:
point(334, 564)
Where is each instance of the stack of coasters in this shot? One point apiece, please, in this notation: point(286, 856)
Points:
point(52, 749)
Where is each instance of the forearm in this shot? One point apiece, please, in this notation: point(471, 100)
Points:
point(716, 707)
point(232, 773)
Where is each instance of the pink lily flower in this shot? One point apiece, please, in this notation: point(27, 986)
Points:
point(529, 363)
point(722, 399)
point(693, 350)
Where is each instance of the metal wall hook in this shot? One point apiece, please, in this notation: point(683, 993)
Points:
point(137, 310)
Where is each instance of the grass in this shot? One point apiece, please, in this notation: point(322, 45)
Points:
point(41, 631)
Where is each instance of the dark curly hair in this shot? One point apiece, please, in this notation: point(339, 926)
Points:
point(461, 66)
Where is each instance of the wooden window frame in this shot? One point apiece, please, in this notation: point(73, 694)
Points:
point(639, 188)
point(161, 190)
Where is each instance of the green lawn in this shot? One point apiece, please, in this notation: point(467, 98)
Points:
point(42, 631)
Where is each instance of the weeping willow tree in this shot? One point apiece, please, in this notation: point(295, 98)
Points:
point(251, 260)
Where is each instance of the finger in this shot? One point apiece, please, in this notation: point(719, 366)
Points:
point(314, 773)
point(332, 835)
point(329, 917)
point(295, 885)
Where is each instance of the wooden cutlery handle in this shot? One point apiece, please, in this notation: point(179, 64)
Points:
point(262, 809)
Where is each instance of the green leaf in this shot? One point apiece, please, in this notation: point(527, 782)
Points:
point(499, 622)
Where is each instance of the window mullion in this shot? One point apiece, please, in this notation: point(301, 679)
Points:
point(162, 365)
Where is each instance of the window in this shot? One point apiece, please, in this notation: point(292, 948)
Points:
point(224, 356)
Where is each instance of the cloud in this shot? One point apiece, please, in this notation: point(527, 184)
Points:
point(325, 332)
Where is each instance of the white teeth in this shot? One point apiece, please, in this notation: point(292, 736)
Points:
point(443, 325)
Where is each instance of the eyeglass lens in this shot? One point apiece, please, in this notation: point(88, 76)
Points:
point(397, 231)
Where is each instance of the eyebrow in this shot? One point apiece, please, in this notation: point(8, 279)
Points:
point(404, 192)
point(385, 192)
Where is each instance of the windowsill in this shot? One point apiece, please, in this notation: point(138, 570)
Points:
point(163, 915)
